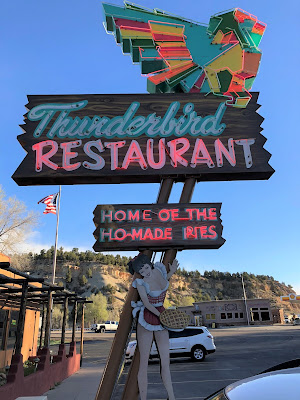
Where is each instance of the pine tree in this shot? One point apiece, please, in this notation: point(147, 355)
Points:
point(69, 276)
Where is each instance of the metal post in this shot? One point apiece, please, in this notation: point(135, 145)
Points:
point(245, 300)
point(56, 236)
point(21, 319)
point(48, 319)
point(64, 321)
point(115, 358)
point(74, 320)
point(81, 336)
point(42, 326)
point(6, 327)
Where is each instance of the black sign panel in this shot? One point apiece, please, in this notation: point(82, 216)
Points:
point(84, 139)
point(158, 226)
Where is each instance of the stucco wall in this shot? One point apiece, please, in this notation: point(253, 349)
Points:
point(31, 333)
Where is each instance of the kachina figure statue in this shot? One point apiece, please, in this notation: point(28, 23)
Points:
point(152, 290)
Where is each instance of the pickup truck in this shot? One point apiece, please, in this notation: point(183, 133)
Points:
point(105, 326)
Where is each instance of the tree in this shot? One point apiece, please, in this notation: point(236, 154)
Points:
point(109, 289)
point(118, 260)
point(167, 303)
point(22, 262)
point(206, 297)
point(96, 311)
point(60, 254)
point(69, 275)
point(83, 280)
point(88, 255)
point(219, 295)
point(187, 301)
point(50, 253)
point(15, 222)
point(89, 273)
point(197, 274)
point(57, 316)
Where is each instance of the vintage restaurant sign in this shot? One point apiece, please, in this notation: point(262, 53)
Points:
point(158, 226)
point(84, 139)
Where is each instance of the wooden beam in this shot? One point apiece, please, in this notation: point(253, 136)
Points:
point(81, 334)
point(30, 290)
point(64, 321)
point(23, 275)
point(21, 319)
point(115, 358)
point(4, 264)
point(6, 327)
point(42, 326)
point(5, 279)
point(74, 320)
point(48, 320)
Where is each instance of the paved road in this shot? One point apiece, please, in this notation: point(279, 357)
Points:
point(241, 352)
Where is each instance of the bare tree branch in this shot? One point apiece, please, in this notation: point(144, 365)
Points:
point(15, 222)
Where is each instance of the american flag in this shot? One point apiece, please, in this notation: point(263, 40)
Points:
point(50, 202)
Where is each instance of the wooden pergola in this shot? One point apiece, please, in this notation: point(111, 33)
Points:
point(20, 291)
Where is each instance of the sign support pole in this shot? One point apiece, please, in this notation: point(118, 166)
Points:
point(115, 358)
point(131, 386)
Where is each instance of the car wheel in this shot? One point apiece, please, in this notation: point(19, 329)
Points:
point(198, 353)
point(102, 330)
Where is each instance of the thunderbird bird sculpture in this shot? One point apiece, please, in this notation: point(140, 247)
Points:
point(180, 55)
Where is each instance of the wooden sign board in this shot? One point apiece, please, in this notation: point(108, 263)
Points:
point(158, 226)
point(107, 138)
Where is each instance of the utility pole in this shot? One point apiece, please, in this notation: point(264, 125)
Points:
point(245, 300)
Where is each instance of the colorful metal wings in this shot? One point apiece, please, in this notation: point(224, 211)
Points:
point(180, 55)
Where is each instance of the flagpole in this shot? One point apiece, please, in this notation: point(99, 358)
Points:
point(54, 267)
point(56, 236)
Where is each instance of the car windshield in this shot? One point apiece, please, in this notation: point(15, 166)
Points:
point(107, 322)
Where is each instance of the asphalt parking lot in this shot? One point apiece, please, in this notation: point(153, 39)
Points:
point(241, 352)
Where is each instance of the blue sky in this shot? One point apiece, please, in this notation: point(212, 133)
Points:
point(60, 47)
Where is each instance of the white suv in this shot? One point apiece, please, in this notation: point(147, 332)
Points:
point(193, 341)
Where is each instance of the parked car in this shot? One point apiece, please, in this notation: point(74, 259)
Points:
point(296, 321)
point(271, 384)
point(105, 326)
point(193, 341)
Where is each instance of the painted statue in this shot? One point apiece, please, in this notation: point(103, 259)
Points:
point(152, 289)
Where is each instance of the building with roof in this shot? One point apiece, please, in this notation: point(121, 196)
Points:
point(236, 312)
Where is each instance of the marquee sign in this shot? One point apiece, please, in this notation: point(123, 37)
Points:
point(158, 226)
point(84, 139)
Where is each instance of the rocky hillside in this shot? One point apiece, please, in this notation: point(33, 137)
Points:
point(109, 276)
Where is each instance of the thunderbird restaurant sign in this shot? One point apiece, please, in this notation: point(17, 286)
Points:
point(77, 139)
